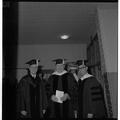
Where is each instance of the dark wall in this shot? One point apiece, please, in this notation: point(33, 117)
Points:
point(10, 37)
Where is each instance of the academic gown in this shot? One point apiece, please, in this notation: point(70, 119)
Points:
point(91, 98)
point(62, 82)
point(31, 97)
point(75, 94)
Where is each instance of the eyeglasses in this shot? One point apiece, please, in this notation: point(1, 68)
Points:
point(81, 68)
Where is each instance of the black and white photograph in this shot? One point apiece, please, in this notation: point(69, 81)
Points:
point(60, 60)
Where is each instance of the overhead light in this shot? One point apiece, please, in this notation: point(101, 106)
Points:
point(64, 37)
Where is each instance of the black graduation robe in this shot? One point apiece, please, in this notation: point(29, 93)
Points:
point(31, 97)
point(63, 82)
point(91, 98)
point(75, 94)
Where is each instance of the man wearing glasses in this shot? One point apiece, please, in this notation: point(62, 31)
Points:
point(91, 95)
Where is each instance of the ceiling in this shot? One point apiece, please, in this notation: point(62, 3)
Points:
point(44, 22)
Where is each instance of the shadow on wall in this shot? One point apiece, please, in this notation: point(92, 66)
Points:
point(10, 37)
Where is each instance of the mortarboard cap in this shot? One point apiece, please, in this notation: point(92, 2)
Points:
point(59, 61)
point(33, 62)
point(73, 66)
point(82, 62)
point(40, 68)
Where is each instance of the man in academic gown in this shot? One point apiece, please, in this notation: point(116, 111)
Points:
point(72, 67)
point(91, 95)
point(59, 92)
point(31, 96)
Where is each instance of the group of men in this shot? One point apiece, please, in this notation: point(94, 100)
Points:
point(70, 92)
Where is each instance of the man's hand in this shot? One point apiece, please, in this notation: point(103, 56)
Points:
point(44, 111)
point(54, 98)
point(23, 112)
point(90, 115)
point(65, 97)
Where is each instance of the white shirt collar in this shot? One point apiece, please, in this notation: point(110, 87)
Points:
point(87, 75)
point(33, 75)
point(57, 73)
point(76, 77)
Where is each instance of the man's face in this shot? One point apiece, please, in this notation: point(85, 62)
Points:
point(82, 70)
point(73, 70)
point(33, 69)
point(59, 67)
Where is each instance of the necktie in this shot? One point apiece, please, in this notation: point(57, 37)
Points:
point(79, 82)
